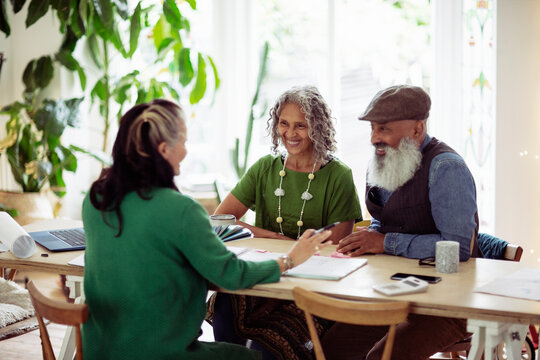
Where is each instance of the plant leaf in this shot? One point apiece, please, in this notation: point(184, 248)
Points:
point(185, 67)
point(104, 10)
point(95, 50)
point(172, 14)
point(44, 71)
point(192, 3)
point(28, 76)
point(36, 10)
point(4, 23)
point(217, 80)
point(65, 58)
point(122, 8)
point(135, 30)
point(17, 5)
point(62, 9)
point(197, 93)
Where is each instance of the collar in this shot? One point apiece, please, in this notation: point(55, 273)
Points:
point(425, 142)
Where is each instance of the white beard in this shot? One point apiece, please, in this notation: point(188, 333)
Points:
point(396, 167)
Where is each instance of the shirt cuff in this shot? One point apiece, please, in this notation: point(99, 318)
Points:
point(390, 243)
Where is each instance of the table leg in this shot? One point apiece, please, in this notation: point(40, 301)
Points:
point(489, 334)
point(75, 285)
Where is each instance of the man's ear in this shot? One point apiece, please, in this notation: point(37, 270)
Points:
point(420, 129)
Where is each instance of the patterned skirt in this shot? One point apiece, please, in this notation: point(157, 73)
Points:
point(278, 325)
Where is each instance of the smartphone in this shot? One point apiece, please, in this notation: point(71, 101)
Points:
point(325, 228)
point(428, 278)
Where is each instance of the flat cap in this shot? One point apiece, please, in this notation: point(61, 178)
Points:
point(398, 102)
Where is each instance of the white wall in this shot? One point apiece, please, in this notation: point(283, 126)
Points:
point(517, 182)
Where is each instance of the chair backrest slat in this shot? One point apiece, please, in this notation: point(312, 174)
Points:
point(59, 312)
point(351, 312)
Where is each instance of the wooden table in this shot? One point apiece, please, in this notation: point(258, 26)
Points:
point(492, 318)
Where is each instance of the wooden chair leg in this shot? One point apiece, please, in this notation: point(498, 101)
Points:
point(11, 275)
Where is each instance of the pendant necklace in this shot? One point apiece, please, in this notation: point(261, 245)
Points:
point(279, 192)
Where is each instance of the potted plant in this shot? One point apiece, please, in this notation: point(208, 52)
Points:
point(33, 143)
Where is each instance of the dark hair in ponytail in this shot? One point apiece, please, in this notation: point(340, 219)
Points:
point(137, 164)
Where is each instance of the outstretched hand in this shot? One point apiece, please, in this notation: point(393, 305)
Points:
point(363, 241)
point(308, 244)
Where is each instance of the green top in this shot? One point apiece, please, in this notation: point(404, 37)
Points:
point(334, 195)
point(146, 289)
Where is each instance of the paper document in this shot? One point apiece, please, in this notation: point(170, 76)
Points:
point(316, 267)
point(78, 261)
point(524, 284)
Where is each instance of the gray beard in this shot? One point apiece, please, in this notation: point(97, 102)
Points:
point(396, 167)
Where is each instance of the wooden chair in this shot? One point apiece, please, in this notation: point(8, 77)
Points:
point(58, 312)
point(351, 312)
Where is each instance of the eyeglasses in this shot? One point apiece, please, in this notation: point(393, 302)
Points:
point(429, 261)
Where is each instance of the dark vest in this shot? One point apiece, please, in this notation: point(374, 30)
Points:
point(408, 210)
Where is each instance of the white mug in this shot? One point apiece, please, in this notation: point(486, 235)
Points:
point(222, 219)
point(447, 256)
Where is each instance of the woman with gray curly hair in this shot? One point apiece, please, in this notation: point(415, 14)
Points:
point(302, 187)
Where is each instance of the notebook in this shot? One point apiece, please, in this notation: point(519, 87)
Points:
point(61, 240)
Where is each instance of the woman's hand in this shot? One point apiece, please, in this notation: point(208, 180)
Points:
point(308, 245)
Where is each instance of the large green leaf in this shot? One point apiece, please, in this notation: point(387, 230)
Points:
point(95, 50)
point(36, 10)
point(185, 67)
point(104, 10)
point(44, 71)
point(99, 90)
point(161, 31)
point(66, 58)
point(172, 14)
point(135, 30)
point(4, 23)
point(62, 9)
point(28, 76)
point(17, 5)
point(69, 41)
point(76, 20)
point(197, 93)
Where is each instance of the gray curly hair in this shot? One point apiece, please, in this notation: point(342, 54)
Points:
point(318, 115)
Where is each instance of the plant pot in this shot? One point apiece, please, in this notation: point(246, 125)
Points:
point(32, 206)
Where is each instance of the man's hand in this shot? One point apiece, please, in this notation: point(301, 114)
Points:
point(364, 241)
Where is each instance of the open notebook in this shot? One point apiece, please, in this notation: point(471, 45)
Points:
point(316, 267)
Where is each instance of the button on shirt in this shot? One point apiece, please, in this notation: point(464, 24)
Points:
point(452, 194)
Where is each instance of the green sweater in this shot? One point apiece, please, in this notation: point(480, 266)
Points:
point(334, 195)
point(146, 289)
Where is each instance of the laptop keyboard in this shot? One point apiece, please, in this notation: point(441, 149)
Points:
point(74, 237)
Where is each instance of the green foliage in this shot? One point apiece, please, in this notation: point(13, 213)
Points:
point(240, 164)
point(100, 23)
point(33, 145)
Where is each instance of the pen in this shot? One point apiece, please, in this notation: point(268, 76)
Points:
point(325, 228)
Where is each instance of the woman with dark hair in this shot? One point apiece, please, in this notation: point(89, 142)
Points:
point(151, 251)
point(303, 187)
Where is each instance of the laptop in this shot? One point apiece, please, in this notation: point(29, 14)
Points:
point(61, 240)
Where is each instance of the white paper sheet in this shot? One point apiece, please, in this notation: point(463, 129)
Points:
point(15, 238)
point(316, 267)
point(78, 261)
point(524, 284)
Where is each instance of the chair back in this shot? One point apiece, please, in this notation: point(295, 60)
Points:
point(352, 312)
point(59, 312)
point(361, 223)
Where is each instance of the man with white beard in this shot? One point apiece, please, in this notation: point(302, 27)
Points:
point(419, 191)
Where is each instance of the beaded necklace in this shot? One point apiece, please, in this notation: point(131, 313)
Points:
point(279, 192)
